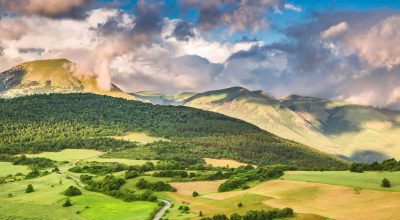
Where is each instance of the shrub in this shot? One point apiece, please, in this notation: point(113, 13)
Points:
point(29, 188)
point(130, 174)
point(385, 183)
point(240, 204)
point(195, 194)
point(72, 191)
point(67, 203)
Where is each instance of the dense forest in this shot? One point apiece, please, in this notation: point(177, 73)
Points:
point(58, 121)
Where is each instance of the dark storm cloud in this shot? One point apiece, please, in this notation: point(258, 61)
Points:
point(236, 14)
point(31, 50)
point(183, 31)
point(49, 8)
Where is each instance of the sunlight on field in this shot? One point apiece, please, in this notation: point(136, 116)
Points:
point(338, 202)
point(7, 168)
point(68, 154)
point(202, 187)
point(368, 180)
point(140, 137)
point(123, 161)
point(223, 162)
point(47, 199)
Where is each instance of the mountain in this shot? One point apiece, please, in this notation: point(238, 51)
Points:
point(363, 132)
point(360, 133)
point(163, 99)
point(50, 76)
point(266, 112)
point(58, 121)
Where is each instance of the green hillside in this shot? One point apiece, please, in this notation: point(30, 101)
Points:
point(361, 133)
point(49, 76)
point(163, 99)
point(264, 111)
point(58, 121)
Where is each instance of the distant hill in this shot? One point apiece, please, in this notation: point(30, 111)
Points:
point(50, 76)
point(360, 133)
point(163, 99)
point(58, 121)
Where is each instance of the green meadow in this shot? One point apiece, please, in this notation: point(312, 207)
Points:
point(367, 180)
point(7, 168)
point(47, 199)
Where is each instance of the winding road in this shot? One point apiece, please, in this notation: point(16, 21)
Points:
point(162, 211)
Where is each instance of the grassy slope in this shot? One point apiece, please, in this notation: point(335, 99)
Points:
point(264, 111)
point(7, 168)
point(354, 128)
point(367, 180)
point(46, 202)
point(55, 76)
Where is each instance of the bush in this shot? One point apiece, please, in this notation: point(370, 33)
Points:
point(385, 183)
point(32, 174)
point(130, 174)
point(29, 188)
point(195, 194)
point(67, 203)
point(240, 204)
point(72, 191)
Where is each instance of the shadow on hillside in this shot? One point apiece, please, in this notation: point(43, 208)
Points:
point(367, 156)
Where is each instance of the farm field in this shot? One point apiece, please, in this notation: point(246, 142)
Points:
point(337, 202)
point(69, 154)
point(7, 168)
point(367, 180)
point(140, 137)
point(223, 163)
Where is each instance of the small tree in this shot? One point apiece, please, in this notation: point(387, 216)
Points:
point(72, 191)
point(240, 204)
point(201, 214)
point(195, 194)
point(29, 188)
point(385, 183)
point(67, 203)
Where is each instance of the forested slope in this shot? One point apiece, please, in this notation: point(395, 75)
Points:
point(57, 121)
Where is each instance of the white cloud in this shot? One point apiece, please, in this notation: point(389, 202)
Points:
point(334, 30)
point(292, 7)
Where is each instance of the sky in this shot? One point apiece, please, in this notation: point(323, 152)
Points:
point(339, 50)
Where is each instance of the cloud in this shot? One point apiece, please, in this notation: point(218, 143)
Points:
point(47, 8)
point(237, 15)
point(334, 30)
point(183, 31)
point(379, 45)
point(292, 7)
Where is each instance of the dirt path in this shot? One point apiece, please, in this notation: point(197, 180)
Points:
point(162, 211)
point(77, 180)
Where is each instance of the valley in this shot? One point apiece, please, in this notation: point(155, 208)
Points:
point(231, 153)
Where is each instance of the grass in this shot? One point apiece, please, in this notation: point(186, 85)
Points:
point(224, 163)
point(337, 202)
point(202, 187)
point(105, 207)
point(140, 137)
point(139, 152)
point(69, 154)
point(366, 180)
point(7, 168)
point(123, 161)
point(47, 199)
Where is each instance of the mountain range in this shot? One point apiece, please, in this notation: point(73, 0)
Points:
point(359, 133)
